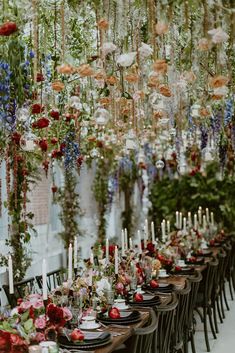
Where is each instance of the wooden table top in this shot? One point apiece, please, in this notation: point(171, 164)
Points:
point(126, 333)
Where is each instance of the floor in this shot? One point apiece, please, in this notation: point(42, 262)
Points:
point(225, 341)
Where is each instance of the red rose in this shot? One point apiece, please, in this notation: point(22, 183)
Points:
point(62, 147)
point(5, 341)
point(16, 136)
point(43, 145)
point(54, 140)
point(55, 114)
point(41, 123)
point(7, 28)
point(150, 247)
point(40, 77)
point(18, 345)
point(37, 108)
point(56, 154)
point(55, 315)
point(31, 313)
point(79, 160)
point(54, 189)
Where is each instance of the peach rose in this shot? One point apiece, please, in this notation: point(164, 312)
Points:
point(204, 44)
point(103, 24)
point(57, 86)
point(160, 66)
point(105, 101)
point(161, 28)
point(99, 75)
point(112, 80)
point(132, 78)
point(65, 69)
point(204, 112)
point(165, 90)
point(85, 70)
point(219, 81)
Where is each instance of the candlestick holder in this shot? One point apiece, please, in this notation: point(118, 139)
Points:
point(13, 300)
point(45, 302)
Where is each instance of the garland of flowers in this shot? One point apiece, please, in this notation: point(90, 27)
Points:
point(24, 174)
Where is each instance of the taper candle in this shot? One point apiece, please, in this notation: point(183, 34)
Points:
point(123, 243)
point(70, 263)
point(75, 254)
point(44, 279)
point(152, 232)
point(10, 275)
point(116, 259)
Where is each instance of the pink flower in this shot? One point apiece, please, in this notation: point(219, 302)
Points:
point(67, 314)
point(40, 322)
point(38, 304)
point(39, 337)
point(35, 296)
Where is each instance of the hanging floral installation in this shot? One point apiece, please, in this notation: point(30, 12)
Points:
point(109, 81)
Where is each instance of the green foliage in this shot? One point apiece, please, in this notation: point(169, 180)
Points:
point(189, 192)
point(68, 199)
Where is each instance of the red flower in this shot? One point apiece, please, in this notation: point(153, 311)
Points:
point(5, 343)
point(56, 154)
point(150, 247)
point(54, 140)
point(7, 28)
point(16, 136)
point(43, 145)
point(54, 189)
point(18, 345)
point(31, 313)
point(55, 114)
point(37, 108)
point(56, 315)
point(40, 77)
point(79, 160)
point(41, 123)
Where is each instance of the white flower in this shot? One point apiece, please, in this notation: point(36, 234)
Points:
point(220, 91)
point(145, 51)
point(14, 312)
point(126, 60)
point(102, 286)
point(218, 35)
point(108, 48)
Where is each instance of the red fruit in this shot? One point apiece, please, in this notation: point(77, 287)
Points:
point(177, 268)
point(154, 284)
point(160, 257)
point(77, 335)
point(8, 28)
point(138, 297)
point(192, 259)
point(114, 313)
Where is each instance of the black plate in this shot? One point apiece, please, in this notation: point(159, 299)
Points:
point(146, 302)
point(204, 253)
point(132, 318)
point(184, 271)
point(163, 288)
point(86, 344)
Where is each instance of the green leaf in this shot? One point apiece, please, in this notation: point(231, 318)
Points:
point(28, 325)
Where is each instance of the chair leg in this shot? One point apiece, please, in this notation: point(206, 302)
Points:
point(225, 298)
point(215, 318)
point(205, 329)
point(230, 287)
point(219, 312)
point(192, 343)
point(222, 305)
point(200, 314)
point(211, 322)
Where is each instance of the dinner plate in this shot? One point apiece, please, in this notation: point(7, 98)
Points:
point(125, 318)
point(100, 341)
point(91, 326)
point(163, 276)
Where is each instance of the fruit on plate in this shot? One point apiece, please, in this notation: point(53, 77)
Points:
point(192, 259)
point(153, 283)
point(77, 335)
point(114, 313)
point(178, 268)
point(138, 297)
